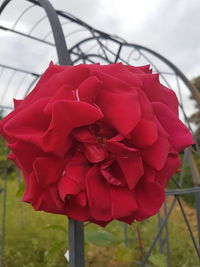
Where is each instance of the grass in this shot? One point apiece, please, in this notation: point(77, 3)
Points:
point(38, 239)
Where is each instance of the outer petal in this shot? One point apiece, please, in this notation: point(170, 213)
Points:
point(70, 75)
point(119, 72)
point(149, 194)
point(179, 135)
point(26, 126)
point(98, 192)
point(152, 87)
point(171, 100)
point(156, 155)
point(123, 202)
point(48, 170)
point(172, 165)
point(25, 159)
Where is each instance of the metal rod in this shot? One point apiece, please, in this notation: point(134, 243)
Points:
point(76, 229)
point(20, 70)
point(167, 244)
point(143, 264)
point(76, 243)
point(176, 192)
point(188, 226)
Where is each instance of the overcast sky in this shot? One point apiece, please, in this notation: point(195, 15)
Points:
point(170, 27)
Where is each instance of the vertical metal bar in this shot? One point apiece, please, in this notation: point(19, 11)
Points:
point(160, 242)
point(76, 241)
point(126, 238)
point(167, 237)
point(76, 229)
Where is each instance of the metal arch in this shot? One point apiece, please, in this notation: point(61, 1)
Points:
point(4, 4)
point(36, 24)
point(50, 32)
point(61, 47)
point(26, 35)
point(21, 15)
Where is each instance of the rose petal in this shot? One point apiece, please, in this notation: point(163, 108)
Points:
point(95, 152)
point(179, 135)
point(89, 89)
point(123, 202)
point(67, 186)
point(156, 155)
point(77, 168)
point(149, 194)
point(172, 165)
point(144, 134)
point(98, 191)
point(67, 115)
point(132, 169)
point(117, 101)
point(48, 170)
point(26, 126)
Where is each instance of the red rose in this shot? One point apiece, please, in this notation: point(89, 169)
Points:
point(97, 143)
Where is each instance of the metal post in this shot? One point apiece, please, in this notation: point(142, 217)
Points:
point(75, 229)
point(76, 243)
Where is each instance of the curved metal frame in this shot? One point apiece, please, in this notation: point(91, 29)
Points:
point(76, 238)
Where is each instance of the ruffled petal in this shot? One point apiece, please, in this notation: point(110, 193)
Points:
point(67, 115)
point(26, 126)
point(123, 202)
point(144, 134)
point(156, 155)
point(179, 135)
point(132, 168)
point(89, 89)
point(48, 170)
point(149, 195)
point(98, 191)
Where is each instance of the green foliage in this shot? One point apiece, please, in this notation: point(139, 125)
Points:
point(20, 190)
point(158, 260)
point(54, 227)
point(37, 239)
point(99, 237)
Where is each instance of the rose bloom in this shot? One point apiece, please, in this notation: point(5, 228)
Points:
point(97, 142)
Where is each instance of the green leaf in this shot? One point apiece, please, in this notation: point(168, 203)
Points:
point(159, 260)
point(53, 250)
point(21, 189)
point(54, 227)
point(124, 254)
point(99, 238)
